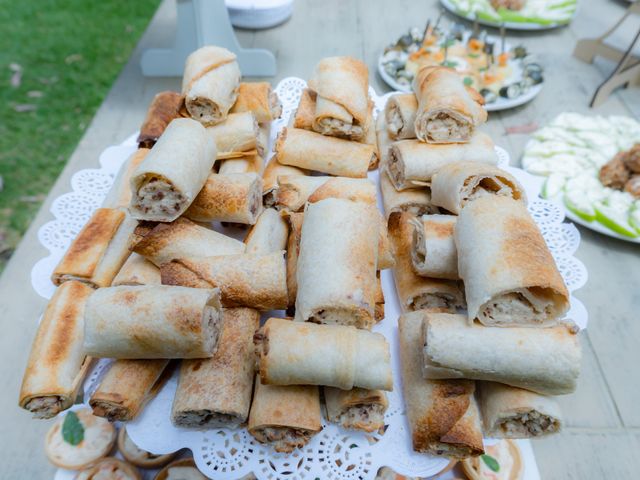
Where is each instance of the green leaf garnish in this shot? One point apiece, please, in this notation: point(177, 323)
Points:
point(353, 445)
point(467, 81)
point(491, 462)
point(72, 429)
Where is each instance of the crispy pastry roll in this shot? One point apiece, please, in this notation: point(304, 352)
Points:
point(416, 292)
point(400, 115)
point(235, 198)
point(245, 164)
point(334, 156)
point(342, 99)
point(510, 412)
point(216, 392)
point(168, 180)
point(305, 113)
point(295, 221)
point(456, 184)
point(183, 238)
point(127, 387)
point(448, 111)
point(272, 171)
point(210, 84)
point(164, 107)
point(260, 99)
point(433, 250)
point(137, 270)
point(57, 363)
point(442, 414)
point(303, 353)
point(100, 249)
point(509, 275)
point(285, 417)
point(416, 201)
point(412, 163)
point(543, 360)
point(336, 269)
point(119, 195)
point(245, 280)
point(269, 234)
point(357, 409)
point(295, 191)
point(237, 136)
point(152, 321)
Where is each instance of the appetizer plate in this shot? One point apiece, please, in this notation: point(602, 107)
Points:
point(334, 453)
point(548, 25)
point(593, 225)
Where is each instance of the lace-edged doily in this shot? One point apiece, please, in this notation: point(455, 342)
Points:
point(333, 453)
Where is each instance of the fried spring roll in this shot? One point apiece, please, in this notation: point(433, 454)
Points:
point(119, 195)
point(416, 201)
point(170, 177)
point(543, 360)
point(237, 136)
point(339, 242)
point(433, 250)
point(164, 107)
point(127, 387)
point(57, 363)
point(400, 115)
point(454, 185)
point(295, 191)
point(269, 234)
point(304, 353)
point(442, 414)
point(448, 111)
point(259, 98)
point(234, 198)
point(510, 276)
point(216, 392)
point(137, 270)
point(152, 321)
point(210, 84)
point(183, 238)
point(245, 280)
point(285, 417)
point(245, 164)
point(100, 249)
point(357, 409)
point(272, 171)
point(416, 292)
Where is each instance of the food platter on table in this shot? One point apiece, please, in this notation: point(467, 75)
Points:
point(505, 76)
point(535, 15)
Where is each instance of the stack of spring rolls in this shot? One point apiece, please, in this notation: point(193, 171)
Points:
point(484, 345)
point(150, 283)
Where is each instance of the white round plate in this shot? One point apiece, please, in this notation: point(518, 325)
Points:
point(499, 104)
point(510, 25)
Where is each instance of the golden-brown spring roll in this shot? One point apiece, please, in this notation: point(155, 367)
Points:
point(237, 136)
point(170, 177)
point(416, 201)
point(100, 249)
point(285, 417)
point(306, 111)
point(358, 408)
point(216, 392)
point(416, 292)
point(337, 263)
point(164, 107)
point(245, 164)
point(509, 274)
point(433, 250)
point(269, 234)
point(137, 270)
point(448, 111)
point(127, 387)
point(304, 353)
point(334, 156)
point(57, 363)
point(442, 414)
point(342, 98)
point(152, 321)
point(294, 190)
point(454, 185)
point(119, 195)
point(234, 198)
point(210, 84)
point(412, 163)
point(259, 98)
point(245, 280)
point(183, 238)
point(272, 171)
point(400, 115)
point(510, 412)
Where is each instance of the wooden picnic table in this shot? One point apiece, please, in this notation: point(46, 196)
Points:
point(602, 434)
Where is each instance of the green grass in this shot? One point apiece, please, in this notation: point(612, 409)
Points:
point(69, 53)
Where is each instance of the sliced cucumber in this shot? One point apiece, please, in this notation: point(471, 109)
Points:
point(579, 203)
point(616, 220)
point(553, 185)
point(634, 218)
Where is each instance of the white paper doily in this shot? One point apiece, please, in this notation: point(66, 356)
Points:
point(333, 453)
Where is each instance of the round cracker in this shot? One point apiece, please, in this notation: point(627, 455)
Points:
point(140, 458)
